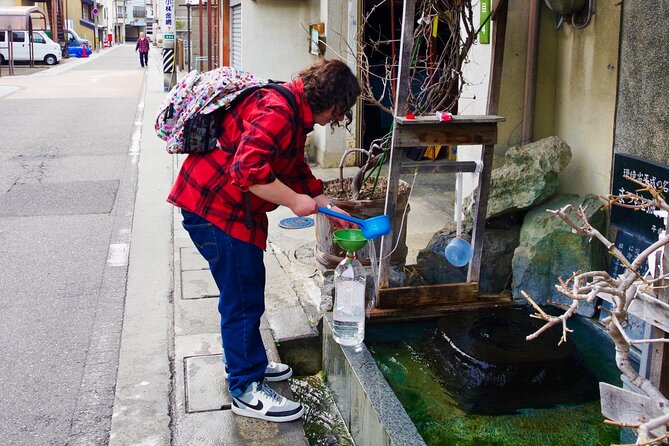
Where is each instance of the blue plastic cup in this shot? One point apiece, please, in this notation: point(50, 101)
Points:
point(458, 252)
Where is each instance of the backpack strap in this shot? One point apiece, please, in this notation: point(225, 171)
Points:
point(288, 95)
point(274, 85)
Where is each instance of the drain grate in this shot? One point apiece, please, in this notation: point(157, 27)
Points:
point(296, 222)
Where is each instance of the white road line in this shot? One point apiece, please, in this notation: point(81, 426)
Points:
point(118, 254)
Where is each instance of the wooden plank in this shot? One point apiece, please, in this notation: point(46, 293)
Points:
point(442, 166)
point(648, 308)
point(659, 355)
point(652, 310)
point(225, 42)
point(456, 121)
point(426, 295)
point(624, 406)
point(482, 192)
point(381, 315)
point(439, 133)
point(402, 94)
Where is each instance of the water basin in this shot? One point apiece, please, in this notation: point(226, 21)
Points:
point(452, 403)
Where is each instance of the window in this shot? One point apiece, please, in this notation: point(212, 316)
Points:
point(2, 36)
point(120, 11)
point(86, 12)
point(236, 36)
point(139, 11)
point(19, 36)
point(37, 38)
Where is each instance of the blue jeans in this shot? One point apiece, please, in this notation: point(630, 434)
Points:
point(239, 273)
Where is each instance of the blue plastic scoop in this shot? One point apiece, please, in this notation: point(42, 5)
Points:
point(371, 228)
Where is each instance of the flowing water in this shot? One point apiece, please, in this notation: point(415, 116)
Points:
point(371, 303)
point(406, 358)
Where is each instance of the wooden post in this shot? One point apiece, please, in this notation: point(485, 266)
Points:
point(659, 354)
point(401, 98)
point(481, 198)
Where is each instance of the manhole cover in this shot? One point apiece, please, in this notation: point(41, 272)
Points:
point(305, 252)
point(296, 222)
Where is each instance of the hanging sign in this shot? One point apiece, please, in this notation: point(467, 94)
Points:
point(484, 34)
point(168, 14)
point(643, 223)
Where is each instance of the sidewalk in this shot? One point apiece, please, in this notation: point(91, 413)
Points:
point(170, 387)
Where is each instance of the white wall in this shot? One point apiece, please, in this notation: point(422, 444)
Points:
point(275, 44)
point(473, 100)
point(275, 36)
point(340, 18)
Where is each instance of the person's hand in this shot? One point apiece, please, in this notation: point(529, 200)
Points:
point(303, 205)
point(338, 223)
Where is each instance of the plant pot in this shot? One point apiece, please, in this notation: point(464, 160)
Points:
point(329, 254)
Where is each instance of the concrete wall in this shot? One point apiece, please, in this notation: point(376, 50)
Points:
point(642, 118)
point(576, 90)
point(340, 18)
point(275, 36)
point(585, 98)
point(275, 44)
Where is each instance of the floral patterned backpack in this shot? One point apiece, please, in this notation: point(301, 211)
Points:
point(189, 117)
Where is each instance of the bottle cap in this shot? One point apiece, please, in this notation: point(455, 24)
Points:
point(444, 116)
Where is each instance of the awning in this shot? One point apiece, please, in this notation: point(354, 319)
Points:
point(87, 24)
point(19, 18)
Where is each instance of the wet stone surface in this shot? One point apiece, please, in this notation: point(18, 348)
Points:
point(485, 357)
point(322, 422)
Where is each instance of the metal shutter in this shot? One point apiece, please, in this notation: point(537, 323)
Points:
point(236, 36)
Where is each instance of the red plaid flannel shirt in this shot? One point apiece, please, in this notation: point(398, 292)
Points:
point(256, 149)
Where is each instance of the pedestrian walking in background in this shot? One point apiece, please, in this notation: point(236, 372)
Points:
point(224, 196)
point(143, 47)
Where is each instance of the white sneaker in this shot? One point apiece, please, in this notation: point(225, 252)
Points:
point(262, 402)
point(274, 372)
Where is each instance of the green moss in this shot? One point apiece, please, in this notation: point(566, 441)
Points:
point(322, 423)
point(441, 422)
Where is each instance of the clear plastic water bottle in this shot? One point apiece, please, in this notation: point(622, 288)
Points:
point(348, 315)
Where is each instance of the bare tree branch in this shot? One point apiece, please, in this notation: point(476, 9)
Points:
point(622, 291)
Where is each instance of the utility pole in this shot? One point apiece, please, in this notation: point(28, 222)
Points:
point(95, 21)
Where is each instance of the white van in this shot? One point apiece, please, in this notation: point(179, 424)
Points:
point(43, 47)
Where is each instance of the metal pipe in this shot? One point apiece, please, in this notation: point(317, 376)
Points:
point(199, 25)
point(190, 40)
point(531, 72)
point(209, 35)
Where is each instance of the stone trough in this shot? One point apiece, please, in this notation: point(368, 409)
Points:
point(481, 359)
point(370, 409)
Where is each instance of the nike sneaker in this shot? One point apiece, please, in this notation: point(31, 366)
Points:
point(274, 372)
point(262, 402)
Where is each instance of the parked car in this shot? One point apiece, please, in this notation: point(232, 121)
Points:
point(76, 48)
point(74, 43)
point(74, 39)
point(44, 48)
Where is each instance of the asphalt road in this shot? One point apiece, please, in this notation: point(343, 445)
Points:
point(68, 163)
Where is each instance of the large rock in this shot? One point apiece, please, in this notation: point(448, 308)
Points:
point(500, 241)
point(549, 249)
point(529, 175)
point(483, 358)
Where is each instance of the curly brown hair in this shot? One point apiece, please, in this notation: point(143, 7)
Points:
point(330, 83)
